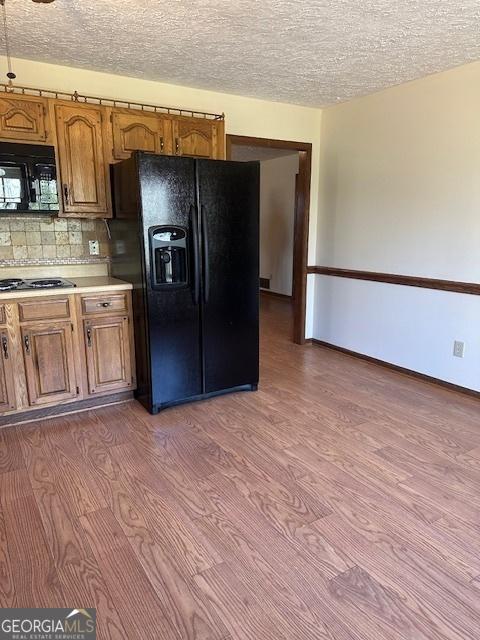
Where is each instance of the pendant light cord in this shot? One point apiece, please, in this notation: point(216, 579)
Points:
point(10, 75)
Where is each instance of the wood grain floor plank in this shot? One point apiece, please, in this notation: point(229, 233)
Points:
point(11, 457)
point(249, 618)
point(304, 572)
point(460, 533)
point(42, 453)
point(338, 502)
point(14, 485)
point(358, 472)
point(452, 477)
point(162, 475)
point(182, 606)
point(243, 615)
point(350, 497)
point(34, 573)
point(7, 588)
point(159, 517)
point(420, 487)
point(135, 598)
point(431, 599)
point(379, 610)
point(421, 443)
point(82, 582)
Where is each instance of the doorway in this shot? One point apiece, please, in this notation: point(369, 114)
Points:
point(248, 148)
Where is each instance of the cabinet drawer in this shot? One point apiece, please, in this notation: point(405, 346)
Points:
point(98, 304)
point(44, 309)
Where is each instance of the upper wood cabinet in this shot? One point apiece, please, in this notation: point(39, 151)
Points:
point(83, 168)
point(23, 118)
point(140, 131)
point(198, 137)
point(49, 362)
point(88, 137)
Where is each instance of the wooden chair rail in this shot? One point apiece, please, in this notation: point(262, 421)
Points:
point(471, 288)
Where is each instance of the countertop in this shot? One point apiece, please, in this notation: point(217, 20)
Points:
point(91, 284)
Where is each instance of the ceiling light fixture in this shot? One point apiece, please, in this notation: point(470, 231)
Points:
point(43, 1)
point(10, 75)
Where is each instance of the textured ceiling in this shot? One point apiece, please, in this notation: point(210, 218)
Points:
point(312, 52)
point(245, 154)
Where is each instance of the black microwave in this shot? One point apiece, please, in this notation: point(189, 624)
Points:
point(28, 179)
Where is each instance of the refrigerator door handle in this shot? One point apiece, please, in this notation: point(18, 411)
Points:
point(196, 254)
point(206, 266)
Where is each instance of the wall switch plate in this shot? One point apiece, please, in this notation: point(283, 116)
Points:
point(93, 247)
point(458, 349)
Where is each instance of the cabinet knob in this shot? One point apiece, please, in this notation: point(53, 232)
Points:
point(177, 145)
point(104, 304)
point(89, 337)
point(162, 145)
point(26, 342)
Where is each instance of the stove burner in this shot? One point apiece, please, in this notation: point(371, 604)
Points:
point(45, 284)
point(10, 283)
point(14, 284)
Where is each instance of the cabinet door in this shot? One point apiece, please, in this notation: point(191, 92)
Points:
point(107, 344)
point(22, 118)
point(198, 138)
point(137, 131)
point(7, 385)
point(81, 159)
point(49, 362)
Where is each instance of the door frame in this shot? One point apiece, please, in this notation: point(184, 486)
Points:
point(302, 214)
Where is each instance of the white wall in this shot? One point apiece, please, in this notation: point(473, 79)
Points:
point(410, 327)
point(277, 217)
point(243, 116)
point(400, 193)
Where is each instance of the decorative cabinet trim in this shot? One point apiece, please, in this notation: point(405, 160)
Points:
point(23, 118)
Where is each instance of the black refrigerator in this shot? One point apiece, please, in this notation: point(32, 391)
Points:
point(186, 234)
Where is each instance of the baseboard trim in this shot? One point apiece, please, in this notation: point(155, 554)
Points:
point(395, 367)
point(64, 409)
point(274, 294)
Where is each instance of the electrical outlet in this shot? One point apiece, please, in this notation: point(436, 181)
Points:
point(458, 349)
point(93, 247)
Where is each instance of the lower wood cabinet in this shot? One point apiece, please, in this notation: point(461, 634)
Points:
point(48, 359)
point(49, 362)
point(108, 354)
point(7, 376)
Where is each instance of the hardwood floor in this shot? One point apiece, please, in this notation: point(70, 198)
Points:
point(340, 501)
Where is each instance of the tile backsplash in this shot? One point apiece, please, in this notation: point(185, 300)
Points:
point(33, 238)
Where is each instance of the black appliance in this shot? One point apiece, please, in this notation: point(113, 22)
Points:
point(11, 284)
point(28, 179)
point(186, 234)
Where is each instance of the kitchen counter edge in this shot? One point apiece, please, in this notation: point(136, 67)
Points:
point(90, 284)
